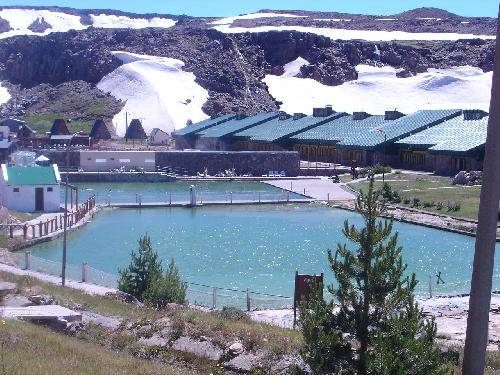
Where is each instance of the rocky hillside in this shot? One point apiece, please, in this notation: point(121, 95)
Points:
point(35, 69)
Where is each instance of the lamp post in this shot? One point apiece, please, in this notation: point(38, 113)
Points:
point(65, 225)
point(379, 130)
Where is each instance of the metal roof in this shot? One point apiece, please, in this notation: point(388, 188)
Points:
point(233, 126)
point(5, 144)
point(454, 135)
point(31, 176)
point(202, 125)
point(277, 129)
point(373, 130)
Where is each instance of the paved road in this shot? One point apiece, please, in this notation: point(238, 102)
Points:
point(319, 189)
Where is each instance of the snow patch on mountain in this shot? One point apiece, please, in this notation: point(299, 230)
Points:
point(20, 20)
point(344, 34)
point(292, 69)
point(251, 16)
point(4, 95)
point(155, 90)
point(108, 21)
point(378, 89)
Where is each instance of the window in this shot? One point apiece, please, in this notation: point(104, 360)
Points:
point(100, 160)
point(16, 190)
point(149, 160)
point(49, 189)
point(124, 160)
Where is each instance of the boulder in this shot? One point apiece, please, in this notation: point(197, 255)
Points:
point(155, 340)
point(236, 348)
point(291, 364)
point(41, 299)
point(244, 363)
point(199, 348)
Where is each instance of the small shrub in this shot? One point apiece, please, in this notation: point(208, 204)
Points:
point(396, 198)
point(379, 169)
point(439, 206)
point(453, 206)
point(233, 313)
point(415, 202)
point(406, 201)
point(429, 204)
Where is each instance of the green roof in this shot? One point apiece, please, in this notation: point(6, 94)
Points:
point(454, 135)
point(277, 129)
point(31, 176)
point(233, 126)
point(202, 125)
point(373, 130)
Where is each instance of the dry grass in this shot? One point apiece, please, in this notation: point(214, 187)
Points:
point(31, 349)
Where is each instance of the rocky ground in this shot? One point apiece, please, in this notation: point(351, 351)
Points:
point(229, 66)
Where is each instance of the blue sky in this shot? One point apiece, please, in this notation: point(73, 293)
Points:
point(233, 7)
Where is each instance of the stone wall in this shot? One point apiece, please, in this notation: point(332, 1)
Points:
point(245, 162)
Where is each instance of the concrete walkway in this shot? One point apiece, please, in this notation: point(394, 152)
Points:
point(84, 287)
point(319, 189)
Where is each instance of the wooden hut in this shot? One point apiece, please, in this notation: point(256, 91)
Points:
point(135, 130)
point(100, 130)
point(59, 127)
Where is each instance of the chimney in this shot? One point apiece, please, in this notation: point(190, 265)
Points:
point(360, 115)
point(392, 115)
point(323, 112)
point(298, 115)
point(474, 114)
point(283, 115)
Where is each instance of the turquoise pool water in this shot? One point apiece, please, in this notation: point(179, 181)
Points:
point(256, 247)
point(177, 191)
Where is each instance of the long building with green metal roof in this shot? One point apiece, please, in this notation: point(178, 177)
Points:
point(275, 134)
point(219, 137)
point(451, 146)
point(186, 137)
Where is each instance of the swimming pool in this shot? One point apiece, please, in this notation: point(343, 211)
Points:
point(256, 247)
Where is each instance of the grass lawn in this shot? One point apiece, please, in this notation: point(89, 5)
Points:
point(42, 123)
point(429, 188)
point(31, 349)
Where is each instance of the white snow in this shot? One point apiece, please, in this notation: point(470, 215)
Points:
point(21, 19)
point(156, 90)
point(108, 21)
point(343, 34)
point(378, 89)
point(292, 69)
point(251, 16)
point(4, 95)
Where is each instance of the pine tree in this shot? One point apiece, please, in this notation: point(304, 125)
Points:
point(144, 270)
point(168, 289)
point(374, 298)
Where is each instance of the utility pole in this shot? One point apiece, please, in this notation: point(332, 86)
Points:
point(484, 256)
point(65, 226)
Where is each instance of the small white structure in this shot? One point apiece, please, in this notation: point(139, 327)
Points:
point(30, 189)
point(158, 137)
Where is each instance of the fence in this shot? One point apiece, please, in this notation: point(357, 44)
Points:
point(55, 224)
point(197, 294)
point(201, 197)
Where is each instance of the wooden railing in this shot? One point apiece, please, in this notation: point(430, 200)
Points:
point(44, 228)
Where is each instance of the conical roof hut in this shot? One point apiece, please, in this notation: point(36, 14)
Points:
point(100, 130)
point(135, 130)
point(59, 127)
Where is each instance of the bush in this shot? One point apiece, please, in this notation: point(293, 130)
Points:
point(439, 206)
point(233, 313)
point(144, 278)
point(379, 169)
point(429, 204)
point(415, 202)
point(453, 207)
point(406, 201)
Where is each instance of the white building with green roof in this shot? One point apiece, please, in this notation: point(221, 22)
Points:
point(30, 189)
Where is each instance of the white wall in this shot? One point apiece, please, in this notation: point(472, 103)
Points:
point(24, 200)
point(160, 138)
point(103, 161)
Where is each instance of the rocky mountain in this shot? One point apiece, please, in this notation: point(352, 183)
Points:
point(231, 66)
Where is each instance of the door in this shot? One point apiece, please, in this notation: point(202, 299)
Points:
point(39, 206)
